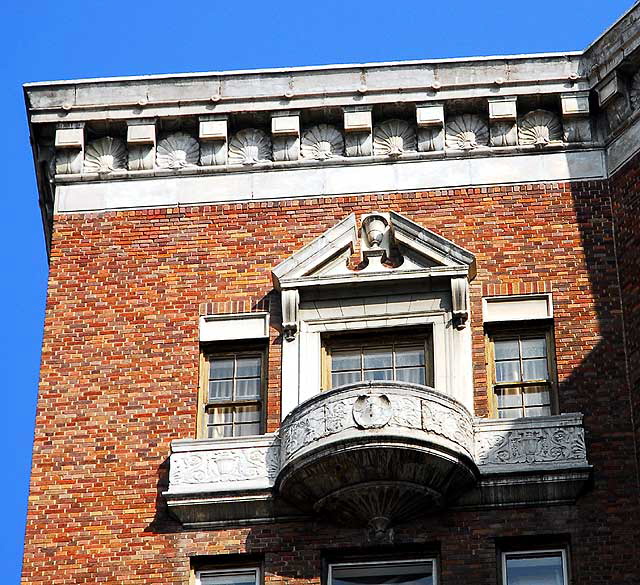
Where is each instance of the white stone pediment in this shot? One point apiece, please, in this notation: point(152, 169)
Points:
point(416, 252)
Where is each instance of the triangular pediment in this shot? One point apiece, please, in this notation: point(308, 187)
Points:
point(417, 251)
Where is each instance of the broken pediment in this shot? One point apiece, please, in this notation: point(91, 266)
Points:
point(391, 246)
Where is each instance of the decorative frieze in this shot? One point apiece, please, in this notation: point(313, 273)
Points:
point(393, 138)
point(141, 142)
point(466, 132)
point(322, 142)
point(105, 155)
point(177, 151)
point(213, 140)
point(249, 147)
point(540, 128)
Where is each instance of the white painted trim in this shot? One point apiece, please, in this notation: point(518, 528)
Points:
point(269, 182)
point(232, 326)
point(540, 552)
point(240, 569)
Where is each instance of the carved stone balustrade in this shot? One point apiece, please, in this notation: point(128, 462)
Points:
point(376, 453)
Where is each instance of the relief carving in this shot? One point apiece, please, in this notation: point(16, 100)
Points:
point(249, 146)
point(372, 411)
point(466, 132)
point(527, 446)
point(540, 127)
point(178, 150)
point(393, 138)
point(105, 155)
point(447, 423)
point(322, 142)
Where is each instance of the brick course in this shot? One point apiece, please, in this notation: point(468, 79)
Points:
point(119, 377)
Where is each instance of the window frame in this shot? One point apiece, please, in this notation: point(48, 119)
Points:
point(226, 571)
point(513, 331)
point(365, 564)
point(209, 351)
point(540, 552)
point(383, 337)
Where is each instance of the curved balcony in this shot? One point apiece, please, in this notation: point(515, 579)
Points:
point(376, 453)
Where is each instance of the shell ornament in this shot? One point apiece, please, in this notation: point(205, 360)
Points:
point(249, 146)
point(178, 150)
point(540, 127)
point(634, 91)
point(393, 138)
point(466, 132)
point(321, 142)
point(105, 155)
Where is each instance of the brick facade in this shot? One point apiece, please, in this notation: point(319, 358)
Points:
point(119, 378)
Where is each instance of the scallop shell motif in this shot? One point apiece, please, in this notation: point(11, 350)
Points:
point(105, 155)
point(466, 132)
point(322, 142)
point(178, 150)
point(539, 127)
point(393, 138)
point(249, 147)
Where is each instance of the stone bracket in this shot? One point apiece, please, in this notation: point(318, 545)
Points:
point(285, 133)
point(503, 129)
point(575, 116)
point(213, 133)
point(460, 301)
point(141, 142)
point(290, 306)
point(69, 144)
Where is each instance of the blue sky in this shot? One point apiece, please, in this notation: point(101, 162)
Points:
point(47, 40)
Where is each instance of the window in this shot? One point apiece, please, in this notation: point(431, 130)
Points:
point(522, 373)
point(228, 577)
point(420, 572)
point(375, 356)
point(546, 567)
point(232, 394)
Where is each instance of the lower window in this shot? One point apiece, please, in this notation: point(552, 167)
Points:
point(420, 572)
point(228, 577)
point(541, 567)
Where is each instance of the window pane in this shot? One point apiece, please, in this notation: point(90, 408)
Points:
point(377, 358)
point(219, 416)
point(378, 375)
point(534, 347)
point(219, 432)
point(409, 356)
point(508, 371)
point(246, 429)
point(239, 578)
point(537, 396)
point(413, 375)
point(508, 397)
point(245, 414)
point(510, 413)
point(506, 349)
point(221, 368)
point(248, 388)
point(535, 369)
point(532, 570)
point(537, 411)
point(390, 574)
point(342, 378)
point(220, 390)
point(248, 367)
point(345, 360)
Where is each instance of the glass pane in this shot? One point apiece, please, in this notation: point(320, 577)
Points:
point(248, 367)
point(245, 429)
point(537, 411)
point(531, 570)
point(219, 432)
point(508, 397)
point(508, 371)
point(345, 360)
point(221, 368)
point(413, 375)
point(506, 349)
point(245, 414)
point(510, 413)
point(390, 574)
point(534, 347)
point(220, 390)
point(377, 358)
point(235, 578)
point(219, 416)
point(378, 375)
point(535, 369)
point(537, 396)
point(342, 378)
point(248, 388)
point(409, 356)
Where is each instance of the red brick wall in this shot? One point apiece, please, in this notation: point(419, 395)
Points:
point(120, 374)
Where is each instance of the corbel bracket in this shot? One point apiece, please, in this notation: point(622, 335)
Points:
point(290, 304)
point(460, 301)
